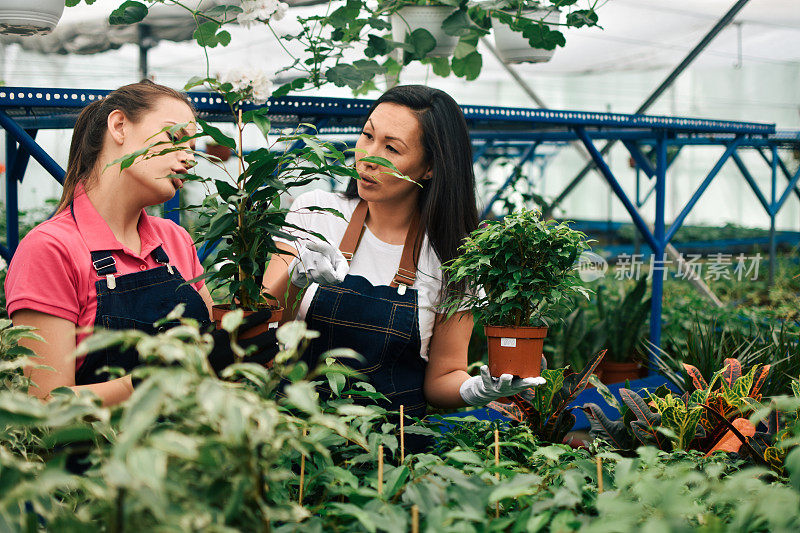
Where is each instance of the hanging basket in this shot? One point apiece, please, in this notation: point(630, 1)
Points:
point(410, 18)
point(512, 47)
point(29, 17)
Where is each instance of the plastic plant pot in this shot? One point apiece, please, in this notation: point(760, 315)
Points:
point(219, 311)
point(407, 19)
point(512, 47)
point(515, 351)
point(29, 17)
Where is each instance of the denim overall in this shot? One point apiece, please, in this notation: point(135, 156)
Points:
point(135, 301)
point(379, 322)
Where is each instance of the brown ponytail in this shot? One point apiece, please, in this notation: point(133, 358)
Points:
point(90, 129)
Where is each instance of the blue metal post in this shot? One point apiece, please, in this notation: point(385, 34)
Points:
point(783, 168)
point(597, 157)
point(639, 158)
point(773, 249)
point(660, 242)
point(27, 142)
point(526, 156)
point(481, 150)
point(792, 186)
point(703, 186)
point(171, 206)
point(752, 182)
point(12, 206)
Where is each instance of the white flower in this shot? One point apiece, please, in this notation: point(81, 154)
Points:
point(254, 11)
point(255, 82)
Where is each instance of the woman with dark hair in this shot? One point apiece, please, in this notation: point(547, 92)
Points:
point(373, 282)
point(101, 260)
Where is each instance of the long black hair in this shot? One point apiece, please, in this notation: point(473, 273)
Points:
point(447, 207)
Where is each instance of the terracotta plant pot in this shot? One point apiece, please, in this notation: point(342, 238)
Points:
point(515, 351)
point(217, 150)
point(611, 372)
point(219, 311)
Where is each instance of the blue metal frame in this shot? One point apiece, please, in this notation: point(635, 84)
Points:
point(25, 110)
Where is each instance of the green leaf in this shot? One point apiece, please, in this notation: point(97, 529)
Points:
point(196, 81)
point(419, 43)
point(206, 34)
point(216, 134)
point(468, 67)
point(263, 124)
point(336, 383)
point(224, 38)
point(225, 190)
point(130, 12)
point(232, 320)
point(457, 24)
point(286, 88)
point(582, 17)
point(463, 456)
point(302, 396)
point(394, 480)
point(519, 485)
point(377, 46)
point(344, 75)
point(441, 66)
point(69, 435)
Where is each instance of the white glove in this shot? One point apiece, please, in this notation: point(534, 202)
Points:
point(318, 262)
point(480, 390)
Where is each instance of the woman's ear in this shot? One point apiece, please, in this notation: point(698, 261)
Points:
point(428, 174)
point(116, 125)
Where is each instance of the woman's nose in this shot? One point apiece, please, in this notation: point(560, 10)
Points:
point(187, 158)
point(368, 152)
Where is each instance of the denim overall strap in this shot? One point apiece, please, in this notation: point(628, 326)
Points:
point(406, 273)
point(381, 323)
point(136, 301)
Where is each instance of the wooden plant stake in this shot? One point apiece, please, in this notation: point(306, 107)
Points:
point(380, 470)
point(497, 465)
point(414, 519)
point(402, 435)
point(302, 472)
point(599, 462)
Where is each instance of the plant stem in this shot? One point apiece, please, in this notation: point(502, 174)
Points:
point(244, 298)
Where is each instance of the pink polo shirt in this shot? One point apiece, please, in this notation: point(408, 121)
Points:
point(52, 272)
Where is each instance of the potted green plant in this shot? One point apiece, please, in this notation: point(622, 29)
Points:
point(517, 274)
point(409, 16)
point(622, 329)
point(23, 17)
point(241, 212)
point(526, 31)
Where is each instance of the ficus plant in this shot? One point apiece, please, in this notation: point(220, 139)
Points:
point(189, 451)
point(518, 271)
point(241, 212)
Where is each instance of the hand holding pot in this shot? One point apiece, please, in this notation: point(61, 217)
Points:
point(318, 262)
point(480, 390)
point(266, 345)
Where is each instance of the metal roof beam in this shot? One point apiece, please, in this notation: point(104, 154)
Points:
point(670, 79)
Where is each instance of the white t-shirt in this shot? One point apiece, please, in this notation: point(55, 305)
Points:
point(374, 259)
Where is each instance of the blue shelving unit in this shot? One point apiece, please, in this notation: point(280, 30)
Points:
point(24, 111)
